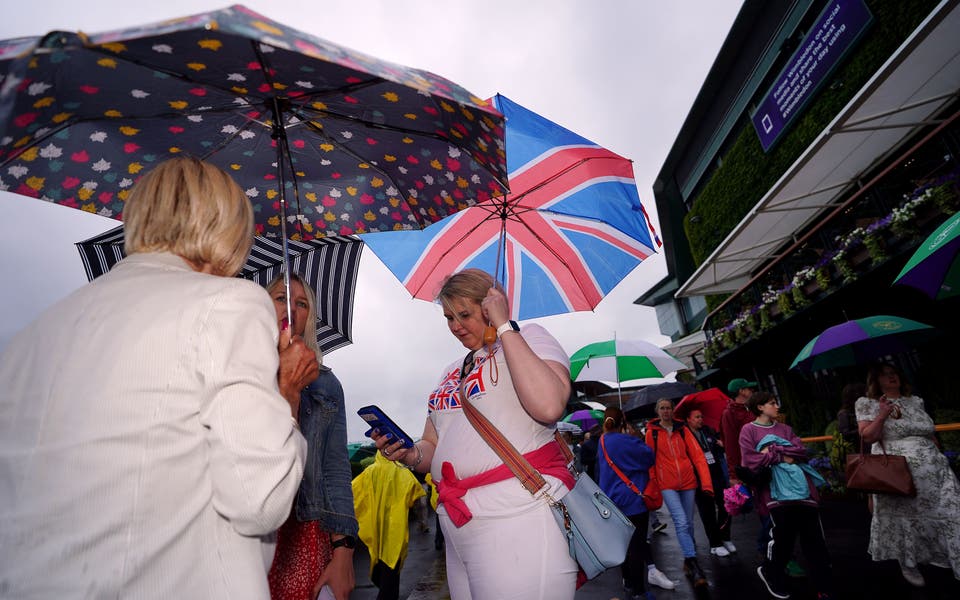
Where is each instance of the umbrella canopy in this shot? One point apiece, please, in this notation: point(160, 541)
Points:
point(571, 229)
point(934, 268)
point(651, 393)
point(860, 340)
point(564, 426)
point(710, 402)
point(329, 265)
point(357, 451)
point(586, 419)
point(328, 139)
point(621, 360)
point(589, 404)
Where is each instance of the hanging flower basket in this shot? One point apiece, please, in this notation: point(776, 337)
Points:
point(824, 278)
point(842, 262)
point(785, 304)
point(766, 323)
point(946, 198)
point(876, 247)
point(799, 297)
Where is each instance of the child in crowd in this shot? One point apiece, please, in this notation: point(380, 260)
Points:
point(789, 497)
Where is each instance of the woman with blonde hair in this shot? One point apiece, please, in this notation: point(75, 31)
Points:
point(501, 542)
point(315, 546)
point(145, 448)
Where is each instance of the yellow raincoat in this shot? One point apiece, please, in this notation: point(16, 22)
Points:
point(382, 495)
point(434, 495)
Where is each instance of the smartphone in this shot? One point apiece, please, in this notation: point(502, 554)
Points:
point(377, 419)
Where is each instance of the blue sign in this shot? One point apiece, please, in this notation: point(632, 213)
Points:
point(835, 31)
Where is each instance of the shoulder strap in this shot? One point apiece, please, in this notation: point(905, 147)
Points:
point(530, 478)
point(616, 469)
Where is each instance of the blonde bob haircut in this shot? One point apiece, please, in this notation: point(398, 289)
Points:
point(194, 210)
point(310, 332)
point(469, 284)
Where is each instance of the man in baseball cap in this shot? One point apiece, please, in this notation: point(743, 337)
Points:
point(734, 417)
point(740, 383)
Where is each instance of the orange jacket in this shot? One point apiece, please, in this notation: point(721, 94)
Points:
point(679, 459)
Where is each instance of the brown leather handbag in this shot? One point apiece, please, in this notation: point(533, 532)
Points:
point(879, 473)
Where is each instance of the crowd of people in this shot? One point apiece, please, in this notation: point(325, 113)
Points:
point(171, 430)
point(690, 464)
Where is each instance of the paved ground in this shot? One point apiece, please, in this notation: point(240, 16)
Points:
point(733, 577)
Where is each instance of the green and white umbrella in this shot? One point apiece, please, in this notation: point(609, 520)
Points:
point(621, 360)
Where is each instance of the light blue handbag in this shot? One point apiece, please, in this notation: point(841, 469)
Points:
point(598, 533)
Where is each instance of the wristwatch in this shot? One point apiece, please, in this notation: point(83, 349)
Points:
point(508, 326)
point(347, 541)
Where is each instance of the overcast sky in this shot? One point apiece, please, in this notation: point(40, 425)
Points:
point(622, 73)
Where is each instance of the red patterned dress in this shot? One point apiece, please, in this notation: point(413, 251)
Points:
point(303, 552)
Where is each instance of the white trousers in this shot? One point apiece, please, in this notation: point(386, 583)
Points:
point(521, 557)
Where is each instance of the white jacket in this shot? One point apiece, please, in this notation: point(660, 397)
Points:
point(144, 447)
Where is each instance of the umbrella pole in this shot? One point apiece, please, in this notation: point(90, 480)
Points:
point(500, 271)
point(616, 365)
point(280, 136)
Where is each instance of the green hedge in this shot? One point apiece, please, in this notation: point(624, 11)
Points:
point(746, 172)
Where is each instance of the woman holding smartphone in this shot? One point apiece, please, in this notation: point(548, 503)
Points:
point(501, 542)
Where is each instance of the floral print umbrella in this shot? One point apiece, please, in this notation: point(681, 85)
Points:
point(323, 139)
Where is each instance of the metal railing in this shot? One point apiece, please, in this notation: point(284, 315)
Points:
point(829, 438)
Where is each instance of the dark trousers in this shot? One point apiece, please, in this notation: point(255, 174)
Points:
point(716, 521)
point(763, 534)
point(387, 579)
point(634, 567)
point(788, 524)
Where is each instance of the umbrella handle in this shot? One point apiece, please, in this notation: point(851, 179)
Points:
point(489, 334)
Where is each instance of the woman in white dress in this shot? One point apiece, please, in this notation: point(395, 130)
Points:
point(501, 542)
point(924, 529)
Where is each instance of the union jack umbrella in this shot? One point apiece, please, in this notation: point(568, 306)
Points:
point(572, 228)
point(328, 264)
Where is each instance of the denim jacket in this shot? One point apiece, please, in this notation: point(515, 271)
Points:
point(325, 494)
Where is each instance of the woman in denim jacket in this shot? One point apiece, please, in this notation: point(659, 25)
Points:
point(315, 545)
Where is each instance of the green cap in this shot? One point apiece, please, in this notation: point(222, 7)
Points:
point(739, 383)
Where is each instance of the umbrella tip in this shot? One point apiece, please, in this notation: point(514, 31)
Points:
point(61, 39)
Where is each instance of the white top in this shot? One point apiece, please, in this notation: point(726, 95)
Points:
point(461, 445)
point(144, 447)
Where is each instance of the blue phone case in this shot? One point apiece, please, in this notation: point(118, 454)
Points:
point(377, 419)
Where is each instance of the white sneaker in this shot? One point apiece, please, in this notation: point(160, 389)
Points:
point(730, 547)
point(656, 577)
point(719, 551)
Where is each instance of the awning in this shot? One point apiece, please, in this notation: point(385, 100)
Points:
point(687, 347)
point(916, 83)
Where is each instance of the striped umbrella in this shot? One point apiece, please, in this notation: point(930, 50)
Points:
point(328, 264)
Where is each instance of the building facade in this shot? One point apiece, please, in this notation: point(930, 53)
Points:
point(822, 148)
